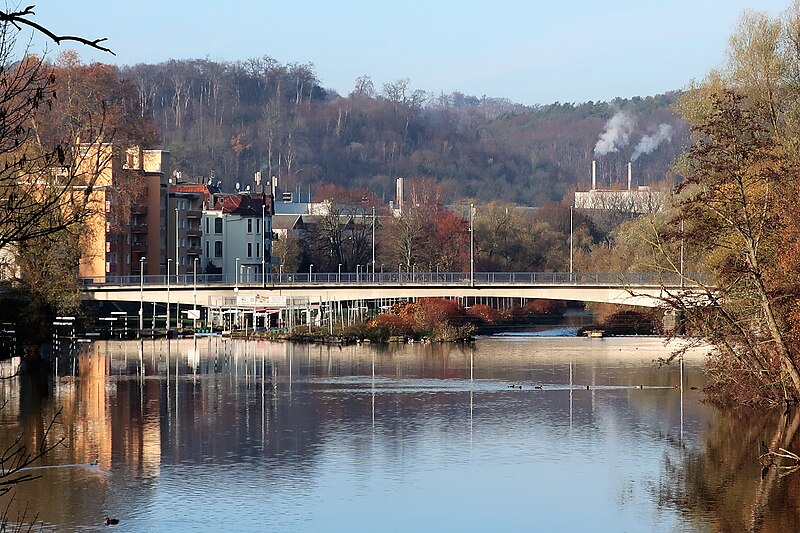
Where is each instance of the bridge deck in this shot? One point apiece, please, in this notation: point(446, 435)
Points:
point(633, 289)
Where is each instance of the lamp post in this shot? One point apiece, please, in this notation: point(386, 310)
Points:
point(236, 274)
point(373, 242)
point(194, 293)
point(471, 247)
point(570, 243)
point(339, 274)
point(681, 267)
point(169, 262)
point(358, 271)
point(263, 241)
point(141, 295)
point(176, 247)
point(310, 269)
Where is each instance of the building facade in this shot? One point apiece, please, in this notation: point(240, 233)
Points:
point(237, 236)
point(124, 231)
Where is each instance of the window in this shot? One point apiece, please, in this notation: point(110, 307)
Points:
point(258, 225)
point(207, 227)
point(249, 225)
point(258, 249)
point(249, 249)
point(217, 248)
point(207, 249)
point(218, 226)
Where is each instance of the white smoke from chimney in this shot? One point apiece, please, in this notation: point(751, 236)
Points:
point(651, 142)
point(616, 134)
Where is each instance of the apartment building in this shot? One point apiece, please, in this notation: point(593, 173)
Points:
point(184, 229)
point(237, 236)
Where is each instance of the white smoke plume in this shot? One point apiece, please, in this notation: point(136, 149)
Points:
point(651, 142)
point(616, 135)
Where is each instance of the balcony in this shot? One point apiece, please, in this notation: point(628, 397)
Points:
point(139, 209)
point(139, 228)
point(194, 250)
point(194, 213)
point(140, 247)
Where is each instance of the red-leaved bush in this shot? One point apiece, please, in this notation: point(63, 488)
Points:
point(485, 314)
point(394, 324)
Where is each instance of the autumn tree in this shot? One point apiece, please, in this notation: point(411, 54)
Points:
point(342, 233)
point(512, 238)
point(736, 207)
point(425, 233)
point(736, 176)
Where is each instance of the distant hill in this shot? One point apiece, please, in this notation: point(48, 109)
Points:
point(230, 120)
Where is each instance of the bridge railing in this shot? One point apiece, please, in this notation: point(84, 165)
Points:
point(394, 278)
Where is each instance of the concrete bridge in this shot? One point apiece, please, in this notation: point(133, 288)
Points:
point(642, 289)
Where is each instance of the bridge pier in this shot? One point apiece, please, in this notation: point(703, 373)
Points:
point(674, 322)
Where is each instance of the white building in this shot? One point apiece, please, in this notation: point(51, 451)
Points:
point(237, 234)
point(642, 199)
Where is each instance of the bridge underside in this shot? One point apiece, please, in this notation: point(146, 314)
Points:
point(647, 296)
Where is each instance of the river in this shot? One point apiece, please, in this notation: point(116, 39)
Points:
point(513, 433)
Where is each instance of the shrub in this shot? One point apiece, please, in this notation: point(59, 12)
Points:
point(484, 314)
point(543, 307)
point(432, 312)
point(393, 324)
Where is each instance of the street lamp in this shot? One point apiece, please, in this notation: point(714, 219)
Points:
point(169, 262)
point(339, 274)
point(570, 243)
point(373, 242)
point(194, 295)
point(471, 247)
point(681, 265)
point(176, 247)
point(263, 241)
point(236, 273)
point(310, 268)
point(141, 295)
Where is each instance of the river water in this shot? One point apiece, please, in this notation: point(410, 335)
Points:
point(212, 434)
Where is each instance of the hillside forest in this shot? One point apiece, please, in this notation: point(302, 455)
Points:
point(227, 120)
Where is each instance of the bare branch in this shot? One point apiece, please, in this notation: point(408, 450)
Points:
point(21, 17)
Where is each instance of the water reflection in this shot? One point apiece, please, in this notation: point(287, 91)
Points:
point(721, 482)
point(189, 433)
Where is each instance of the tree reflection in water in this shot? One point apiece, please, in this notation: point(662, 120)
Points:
point(722, 486)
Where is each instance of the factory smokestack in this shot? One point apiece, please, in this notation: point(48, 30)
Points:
point(594, 174)
point(630, 175)
point(399, 193)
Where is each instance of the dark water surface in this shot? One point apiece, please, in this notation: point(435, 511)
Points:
point(219, 435)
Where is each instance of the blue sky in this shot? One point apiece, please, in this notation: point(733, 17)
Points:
point(529, 51)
